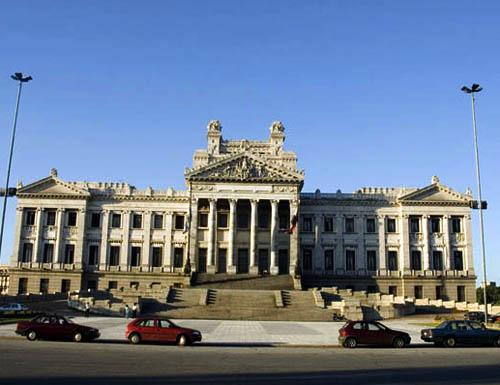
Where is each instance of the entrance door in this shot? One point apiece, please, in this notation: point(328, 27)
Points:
point(202, 260)
point(263, 261)
point(242, 263)
point(221, 261)
point(283, 262)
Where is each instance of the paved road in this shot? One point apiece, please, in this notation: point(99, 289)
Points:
point(62, 363)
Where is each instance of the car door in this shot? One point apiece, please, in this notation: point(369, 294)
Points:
point(42, 326)
point(147, 329)
point(168, 331)
point(478, 333)
point(462, 333)
point(375, 334)
point(358, 331)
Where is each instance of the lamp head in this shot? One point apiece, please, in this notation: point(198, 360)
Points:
point(475, 88)
point(18, 76)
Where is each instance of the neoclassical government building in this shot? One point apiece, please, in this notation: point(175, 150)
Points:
point(243, 212)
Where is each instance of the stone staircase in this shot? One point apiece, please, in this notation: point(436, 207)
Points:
point(243, 282)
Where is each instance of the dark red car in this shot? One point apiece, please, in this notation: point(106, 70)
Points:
point(55, 327)
point(355, 333)
point(154, 329)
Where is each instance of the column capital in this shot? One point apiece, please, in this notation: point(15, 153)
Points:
point(232, 202)
point(254, 201)
point(40, 209)
point(83, 211)
point(61, 210)
point(275, 202)
point(381, 216)
point(405, 216)
point(20, 209)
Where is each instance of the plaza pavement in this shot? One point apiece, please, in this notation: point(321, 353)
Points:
point(240, 333)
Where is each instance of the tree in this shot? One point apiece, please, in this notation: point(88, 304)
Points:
point(492, 295)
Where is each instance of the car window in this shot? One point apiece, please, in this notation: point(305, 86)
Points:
point(475, 326)
point(373, 327)
point(43, 320)
point(383, 327)
point(443, 325)
point(164, 323)
point(461, 326)
point(149, 323)
point(357, 326)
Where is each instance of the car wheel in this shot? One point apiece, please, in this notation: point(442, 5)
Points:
point(182, 340)
point(398, 342)
point(78, 337)
point(450, 342)
point(134, 338)
point(497, 342)
point(350, 343)
point(31, 335)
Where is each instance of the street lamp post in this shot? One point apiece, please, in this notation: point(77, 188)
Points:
point(474, 89)
point(18, 77)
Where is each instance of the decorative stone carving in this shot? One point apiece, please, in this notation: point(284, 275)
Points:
point(277, 127)
point(214, 126)
point(435, 179)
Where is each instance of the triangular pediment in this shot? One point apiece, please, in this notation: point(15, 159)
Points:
point(244, 167)
point(53, 186)
point(435, 193)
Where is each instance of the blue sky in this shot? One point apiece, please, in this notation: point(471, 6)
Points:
point(369, 91)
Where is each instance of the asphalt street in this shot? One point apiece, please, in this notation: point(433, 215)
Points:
point(62, 363)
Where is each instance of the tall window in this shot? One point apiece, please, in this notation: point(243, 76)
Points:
point(157, 256)
point(178, 257)
point(29, 216)
point(461, 293)
point(93, 255)
point(48, 252)
point(95, 220)
point(114, 255)
point(392, 260)
point(307, 225)
point(23, 286)
point(158, 221)
point(458, 259)
point(263, 219)
point(222, 220)
point(437, 260)
point(135, 257)
point(179, 222)
point(65, 285)
point(439, 292)
point(328, 224)
point(51, 218)
point(349, 225)
point(44, 285)
point(72, 218)
point(370, 225)
point(419, 292)
point(284, 220)
point(242, 219)
point(456, 225)
point(116, 220)
point(329, 260)
point(414, 225)
point(137, 221)
point(435, 225)
point(391, 225)
point(203, 220)
point(69, 254)
point(350, 260)
point(371, 260)
point(27, 252)
point(416, 260)
point(307, 259)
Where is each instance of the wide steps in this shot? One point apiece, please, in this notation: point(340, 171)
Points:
point(243, 282)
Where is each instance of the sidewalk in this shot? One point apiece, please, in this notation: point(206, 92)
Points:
point(275, 333)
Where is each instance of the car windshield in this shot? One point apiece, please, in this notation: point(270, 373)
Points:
point(442, 325)
point(383, 327)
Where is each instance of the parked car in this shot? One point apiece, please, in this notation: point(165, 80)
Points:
point(452, 333)
point(479, 316)
point(15, 308)
point(495, 318)
point(55, 327)
point(154, 329)
point(355, 333)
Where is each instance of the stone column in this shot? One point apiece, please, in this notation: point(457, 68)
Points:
point(80, 239)
point(193, 238)
point(125, 252)
point(253, 236)
point(231, 268)
point(58, 252)
point(425, 239)
point(37, 255)
point(469, 262)
point(146, 244)
point(382, 252)
point(294, 237)
point(167, 262)
point(103, 257)
point(339, 249)
point(274, 233)
point(448, 263)
point(361, 257)
point(212, 230)
point(404, 238)
point(17, 238)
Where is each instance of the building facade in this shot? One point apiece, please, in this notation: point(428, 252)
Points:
point(243, 212)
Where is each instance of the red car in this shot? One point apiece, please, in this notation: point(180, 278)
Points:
point(160, 330)
point(355, 333)
point(55, 327)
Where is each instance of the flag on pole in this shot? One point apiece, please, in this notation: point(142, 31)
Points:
point(187, 219)
point(293, 224)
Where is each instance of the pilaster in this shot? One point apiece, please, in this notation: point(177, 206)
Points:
point(294, 237)
point(339, 257)
point(18, 236)
point(425, 249)
point(193, 234)
point(361, 257)
point(146, 245)
point(382, 252)
point(274, 232)
point(211, 236)
point(469, 261)
point(103, 258)
point(167, 263)
point(448, 263)
point(58, 252)
point(37, 255)
point(404, 239)
point(80, 242)
point(253, 236)
point(231, 268)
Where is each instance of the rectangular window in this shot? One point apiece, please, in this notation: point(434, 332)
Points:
point(329, 260)
point(416, 260)
point(458, 260)
point(307, 225)
point(307, 259)
point(391, 225)
point(284, 221)
point(158, 221)
point(371, 260)
point(29, 216)
point(203, 220)
point(263, 220)
point(393, 290)
point(93, 255)
point(202, 260)
point(328, 224)
point(456, 225)
point(44, 285)
point(461, 293)
point(419, 292)
point(349, 225)
point(414, 225)
point(178, 257)
point(69, 254)
point(222, 220)
point(350, 260)
point(370, 225)
point(392, 260)
point(72, 218)
point(157, 256)
point(95, 220)
point(65, 285)
point(221, 261)
point(92, 284)
point(48, 252)
point(116, 220)
point(23, 286)
point(112, 285)
point(179, 222)
point(27, 252)
point(114, 255)
point(135, 257)
point(137, 221)
point(437, 260)
point(439, 292)
point(51, 218)
point(242, 219)
point(435, 225)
